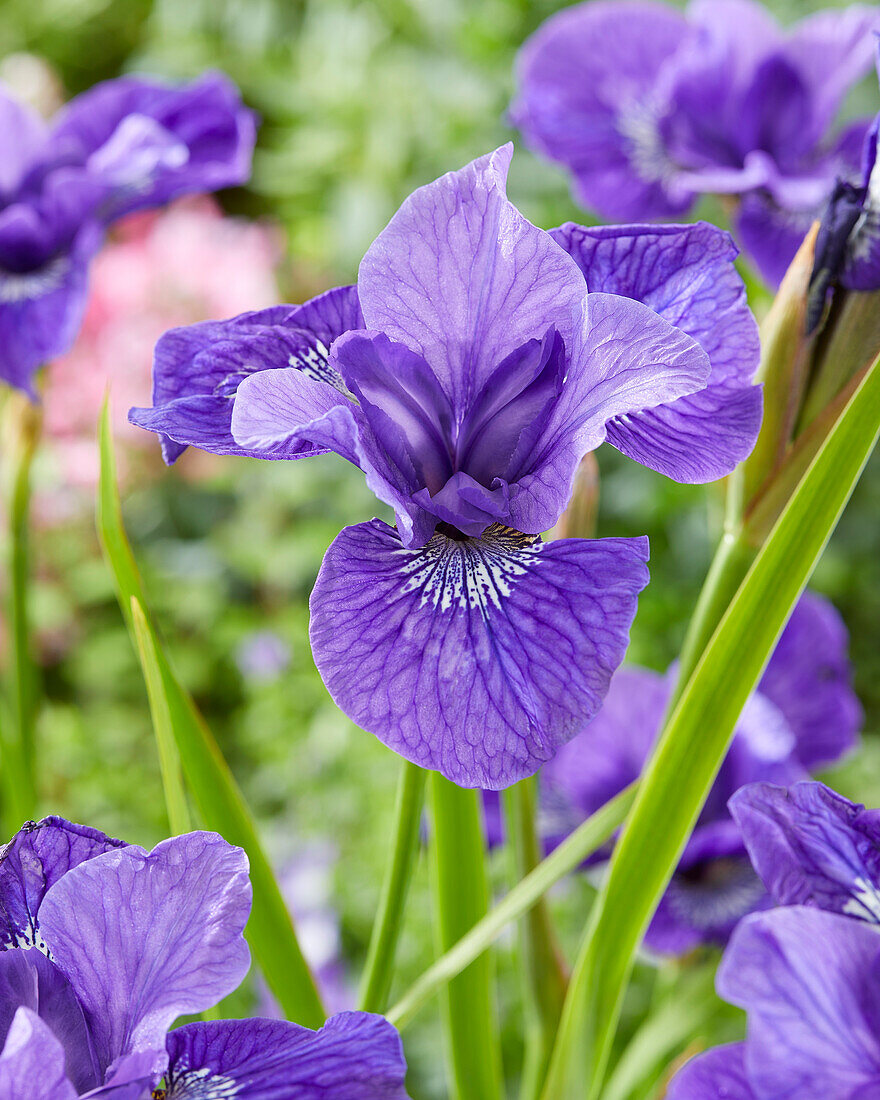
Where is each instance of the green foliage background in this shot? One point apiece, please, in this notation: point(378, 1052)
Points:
point(361, 101)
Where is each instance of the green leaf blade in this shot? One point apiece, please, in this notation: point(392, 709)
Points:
point(220, 803)
point(169, 758)
point(690, 750)
point(587, 838)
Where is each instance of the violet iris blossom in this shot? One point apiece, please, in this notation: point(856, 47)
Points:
point(803, 716)
point(650, 108)
point(124, 145)
point(103, 945)
point(807, 974)
point(466, 375)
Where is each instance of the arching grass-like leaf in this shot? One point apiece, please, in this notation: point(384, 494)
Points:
point(220, 803)
point(694, 740)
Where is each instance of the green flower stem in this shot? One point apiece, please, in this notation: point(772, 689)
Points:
point(732, 561)
point(379, 970)
point(586, 839)
point(461, 898)
point(544, 975)
point(850, 346)
point(169, 759)
point(694, 740)
point(21, 434)
point(784, 369)
point(16, 807)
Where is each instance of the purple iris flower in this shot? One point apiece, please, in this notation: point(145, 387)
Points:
point(473, 365)
point(124, 145)
point(803, 715)
point(103, 945)
point(650, 108)
point(807, 974)
point(483, 373)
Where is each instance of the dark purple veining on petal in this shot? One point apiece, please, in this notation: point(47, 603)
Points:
point(811, 846)
point(354, 1056)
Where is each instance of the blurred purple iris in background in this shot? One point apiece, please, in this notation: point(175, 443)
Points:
point(466, 375)
point(649, 108)
point(104, 945)
point(807, 974)
point(124, 145)
point(803, 716)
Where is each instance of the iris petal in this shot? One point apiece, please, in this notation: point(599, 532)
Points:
point(475, 657)
point(32, 1061)
point(717, 1073)
point(34, 860)
point(197, 370)
point(809, 983)
point(146, 937)
point(354, 1056)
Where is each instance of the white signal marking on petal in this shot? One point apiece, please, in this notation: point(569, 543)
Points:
point(202, 1084)
point(24, 286)
point(865, 902)
point(314, 363)
point(473, 572)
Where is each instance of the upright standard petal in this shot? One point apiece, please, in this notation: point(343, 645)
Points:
point(147, 937)
point(462, 278)
point(24, 134)
point(354, 1056)
point(32, 1062)
point(632, 360)
point(589, 96)
point(474, 657)
point(197, 369)
point(808, 981)
point(686, 275)
point(719, 1074)
point(811, 846)
point(149, 142)
point(35, 859)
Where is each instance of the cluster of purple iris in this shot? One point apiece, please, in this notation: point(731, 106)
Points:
point(125, 145)
point(104, 945)
point(807, 973)
point(650, 108)
point(803, 717)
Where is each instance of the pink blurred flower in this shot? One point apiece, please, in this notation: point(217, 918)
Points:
point(160, 269)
